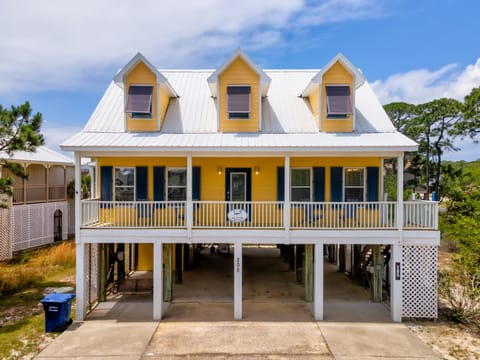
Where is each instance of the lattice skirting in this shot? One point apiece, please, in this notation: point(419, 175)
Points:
point(33, 225)
point(419, 274)
point(6, 234)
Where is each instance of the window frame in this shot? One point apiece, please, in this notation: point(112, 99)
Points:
point(363, 186)
point(240, 115)
point(310, 186)
point(139, 115)
point(167, 186)
point(342, 116)
point(123, 186)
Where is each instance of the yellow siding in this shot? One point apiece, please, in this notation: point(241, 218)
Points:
point(142, 75)
point(239, 73)
point(264, 185)
point(332, 162)
point(164, 101)
point(314, 103)
point(145, 161)
point(145, 257)
point(336, 75)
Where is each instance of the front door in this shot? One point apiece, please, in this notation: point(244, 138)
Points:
point(238, 191)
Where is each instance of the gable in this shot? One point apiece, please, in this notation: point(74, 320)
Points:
point(238, 74)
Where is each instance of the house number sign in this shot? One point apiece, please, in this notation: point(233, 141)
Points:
point(237, 264)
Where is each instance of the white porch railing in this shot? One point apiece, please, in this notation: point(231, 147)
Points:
point(234, 214)
point(343, 215)
point(420, 215)
point(133, 214)
point(257, 215)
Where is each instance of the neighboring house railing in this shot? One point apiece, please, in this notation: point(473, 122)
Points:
point(257, 215)
point(38, 193)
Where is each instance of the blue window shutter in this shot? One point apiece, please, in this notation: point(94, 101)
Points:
point(318, 184)
point(336, 183)
point(158, 183)
point(196, 183)
point(280, 184)
point(141, 183)
point(106, 183)
point(372, 183)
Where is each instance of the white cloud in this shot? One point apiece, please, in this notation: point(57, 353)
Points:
point(64, 43)
point(419, 86)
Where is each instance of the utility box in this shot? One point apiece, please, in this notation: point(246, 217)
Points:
point(57, 309)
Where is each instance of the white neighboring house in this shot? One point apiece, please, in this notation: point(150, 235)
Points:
point(40, 211)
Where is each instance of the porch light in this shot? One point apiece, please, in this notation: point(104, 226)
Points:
point(257, 170)
point(219, 170)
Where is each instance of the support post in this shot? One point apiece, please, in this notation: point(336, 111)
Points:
point(157, 281)
point(237, 281)
point(189, 215)
point(102, 273)
point(308, 268)
point(286, 204)
point(377, 274)
point(80, 281)
point(167, 274)
point(396, 281)
point(318, 283)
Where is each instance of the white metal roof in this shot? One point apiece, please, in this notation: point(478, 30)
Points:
point(42, 155)
point(191, 121)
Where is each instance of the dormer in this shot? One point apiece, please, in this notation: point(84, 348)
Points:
point(146, 95)
point(331, 94)
point(238, 87)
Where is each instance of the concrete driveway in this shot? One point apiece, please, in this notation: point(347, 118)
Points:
point(206, 331)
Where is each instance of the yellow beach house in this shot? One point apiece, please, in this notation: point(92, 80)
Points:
point(241, 155)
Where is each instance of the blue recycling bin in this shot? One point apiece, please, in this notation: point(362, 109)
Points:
point(57, 309)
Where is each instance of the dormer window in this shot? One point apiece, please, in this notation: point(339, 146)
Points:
point(339, 102)
point(238, 102)
point(139, 101)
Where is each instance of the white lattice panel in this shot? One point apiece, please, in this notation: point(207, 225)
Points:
point(419, 274)
point(6, 232)
point(33, 225)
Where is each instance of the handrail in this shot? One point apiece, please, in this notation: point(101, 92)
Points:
point(257, 215)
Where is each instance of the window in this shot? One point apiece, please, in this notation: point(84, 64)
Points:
point(177, 184)
point(339, 103)
point(124, 184)
point(139, 101)
point(354, 189)
point(238, 102)
point(301, 185)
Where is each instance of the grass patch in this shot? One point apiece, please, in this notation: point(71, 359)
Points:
point(40, 266)
point(23, 337)
point(23, 283)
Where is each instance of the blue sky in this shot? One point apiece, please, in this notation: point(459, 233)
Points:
point(61, 55)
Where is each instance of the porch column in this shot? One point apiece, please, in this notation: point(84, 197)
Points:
point(400, 166)
point(318, 283)
point(78, 181)
point(286, 208)
point(80, 247)
point(80, 274)
point(237, 281)
point(189, 209)
point(157, 280)
point(396, 264)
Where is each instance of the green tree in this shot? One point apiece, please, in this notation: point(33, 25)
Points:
point(471, 125)
point(19, 130)
point(435, 125)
